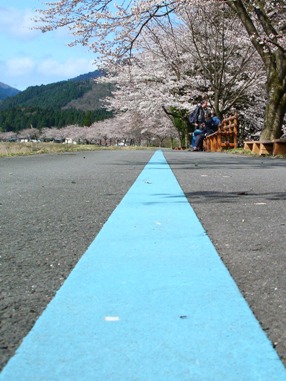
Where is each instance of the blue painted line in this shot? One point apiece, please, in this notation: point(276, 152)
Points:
point(150, 300)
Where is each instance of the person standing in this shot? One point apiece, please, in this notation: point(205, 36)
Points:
point(198, 116)
point(197, 120)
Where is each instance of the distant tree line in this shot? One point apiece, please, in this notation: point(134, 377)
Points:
point(122, 130)
point(17, 119)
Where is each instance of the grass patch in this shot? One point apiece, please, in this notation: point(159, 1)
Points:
point(239, 151)
point(22, 149)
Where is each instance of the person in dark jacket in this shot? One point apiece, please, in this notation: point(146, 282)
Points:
point(198, 116)
point(209, 128)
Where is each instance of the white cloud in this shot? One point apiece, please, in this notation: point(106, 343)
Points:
point(29, 57)
point(67, 69)
point(22, 72)
point(17, 23)
point(20, 66)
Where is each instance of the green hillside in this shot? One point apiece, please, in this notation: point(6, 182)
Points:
point(54, 95)
point(7, 91)
point(91, 99)
point(76, 101)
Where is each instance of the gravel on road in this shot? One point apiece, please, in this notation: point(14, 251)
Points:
point(53, 206)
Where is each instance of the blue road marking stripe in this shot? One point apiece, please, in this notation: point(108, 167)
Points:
point(150, 300)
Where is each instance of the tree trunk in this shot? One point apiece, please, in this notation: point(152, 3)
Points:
point(275, 65)
point(275, 107)
point(273, 120)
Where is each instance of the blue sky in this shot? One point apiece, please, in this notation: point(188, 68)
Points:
point(30, 57)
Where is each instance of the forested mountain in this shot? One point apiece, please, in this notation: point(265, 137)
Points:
point(90, 75)
point(75, 101)
point(7, 91)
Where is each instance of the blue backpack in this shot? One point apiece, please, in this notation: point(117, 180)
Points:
point(216, 121)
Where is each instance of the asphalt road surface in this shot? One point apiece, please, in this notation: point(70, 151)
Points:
point(52, 207)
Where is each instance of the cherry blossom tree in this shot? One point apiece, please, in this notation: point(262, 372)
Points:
point(112, 30)
point(131, 122)
point(132, 128)
point(51, 134)
point(29, 134)
point(231, 69)
point(8, 136)
point(129, 128)
point(174, 66)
